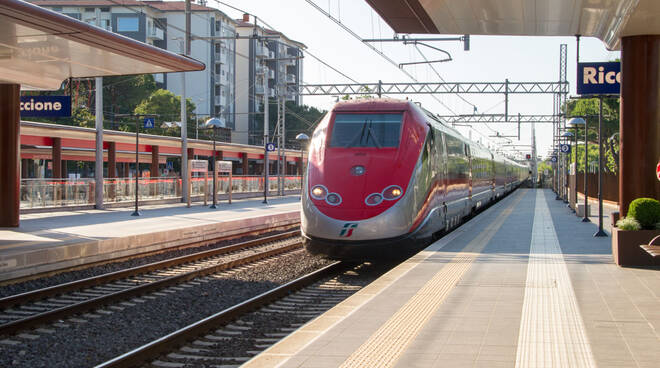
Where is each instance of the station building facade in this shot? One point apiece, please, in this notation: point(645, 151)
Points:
point(162, 24)
point(269, 62)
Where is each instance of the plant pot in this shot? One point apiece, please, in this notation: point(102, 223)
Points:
point(626, 247)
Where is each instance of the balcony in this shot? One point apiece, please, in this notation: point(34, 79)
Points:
point(155, 33)
point(290, 79)
point(218, 100)
point(260, 70)
point(262, 52)
point(259, 90)
point(218, 79)
point(290, 61)
point(271, 54)
point(271, 74)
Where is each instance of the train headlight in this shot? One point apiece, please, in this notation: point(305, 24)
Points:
point(319, 192)
point(333, 199)
point(392, 192)
point(373, 199)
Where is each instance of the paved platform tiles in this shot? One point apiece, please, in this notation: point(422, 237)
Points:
point(48, 241)
point(525, 284)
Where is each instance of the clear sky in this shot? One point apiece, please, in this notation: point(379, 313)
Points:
point(490, 59)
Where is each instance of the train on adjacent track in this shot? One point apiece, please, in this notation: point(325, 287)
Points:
point(385, 176)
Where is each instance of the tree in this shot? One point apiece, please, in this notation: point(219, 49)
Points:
point(122, 94)
point(589, 108)
point(167, 107)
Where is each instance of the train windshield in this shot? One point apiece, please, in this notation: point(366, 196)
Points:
point(366, 130)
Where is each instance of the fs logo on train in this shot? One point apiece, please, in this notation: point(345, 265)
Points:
point(347, 231)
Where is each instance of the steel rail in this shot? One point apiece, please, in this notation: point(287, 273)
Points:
point(54, 290)
point(169, 342)
point(94, 303)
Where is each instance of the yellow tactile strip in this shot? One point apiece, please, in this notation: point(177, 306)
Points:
point(552, 333)
point(279, 354)
point(387, 345)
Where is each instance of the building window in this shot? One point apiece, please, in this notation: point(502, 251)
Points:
point(217, 68)
point(57, 8)
point(105, 10)
point(217, 47)
point(128, 24)
point(89, 10)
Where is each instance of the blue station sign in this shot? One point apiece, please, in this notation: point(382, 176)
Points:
point(149, 123)
point(46, 106)
point(599, 78)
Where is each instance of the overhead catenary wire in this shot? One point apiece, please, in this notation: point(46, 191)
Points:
point(387, 58)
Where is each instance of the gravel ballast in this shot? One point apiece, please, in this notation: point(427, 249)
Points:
point(64, 277)
point(111, 332)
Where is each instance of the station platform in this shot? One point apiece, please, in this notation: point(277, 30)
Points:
point(523, 284)
point(45, 242)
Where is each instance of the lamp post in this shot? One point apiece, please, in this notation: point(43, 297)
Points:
point(576, 123)
point(600, 231)
point(567, 138)
point(214, 123)
point(302, 138)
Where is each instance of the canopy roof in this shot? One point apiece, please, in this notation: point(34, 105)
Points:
point(40, 48)
point(608, 20)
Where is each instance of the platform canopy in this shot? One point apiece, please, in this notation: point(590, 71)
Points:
point(40, 48)
point(608, 20)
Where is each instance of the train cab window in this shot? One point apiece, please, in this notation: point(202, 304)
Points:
point(366, 130)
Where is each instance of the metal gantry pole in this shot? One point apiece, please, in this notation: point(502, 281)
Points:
point(98, 172)
point(215, 174)
point(600, 231)
point(265, 142)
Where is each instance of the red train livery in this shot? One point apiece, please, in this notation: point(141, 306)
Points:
point(385, 176)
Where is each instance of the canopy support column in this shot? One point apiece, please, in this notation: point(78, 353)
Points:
point(10, 153)
point(640, 119)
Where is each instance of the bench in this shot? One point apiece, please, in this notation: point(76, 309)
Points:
point(652, 249)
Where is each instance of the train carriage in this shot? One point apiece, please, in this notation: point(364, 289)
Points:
point(384, 176)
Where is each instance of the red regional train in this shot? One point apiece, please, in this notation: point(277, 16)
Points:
point(385, 176)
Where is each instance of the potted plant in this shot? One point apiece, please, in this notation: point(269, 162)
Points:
point(641, 224)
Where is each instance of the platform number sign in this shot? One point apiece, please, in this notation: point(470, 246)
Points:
point(270, 147)
point(565, 148)
point(149, 123)
point(553, 159)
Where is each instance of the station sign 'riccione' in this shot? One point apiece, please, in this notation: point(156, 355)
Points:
point(599, 78)
point(46, 106)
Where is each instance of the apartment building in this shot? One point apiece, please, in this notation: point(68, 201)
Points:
point(162, 24)
point(267, 62)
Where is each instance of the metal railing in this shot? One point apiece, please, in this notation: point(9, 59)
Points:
point(49, 193)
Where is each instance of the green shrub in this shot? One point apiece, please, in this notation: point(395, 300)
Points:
point(628, 223)
point(646, 211)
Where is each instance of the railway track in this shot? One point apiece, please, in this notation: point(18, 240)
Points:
point(236, 334)
point(26, 310)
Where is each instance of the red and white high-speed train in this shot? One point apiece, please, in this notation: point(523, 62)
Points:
point(385, 176)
